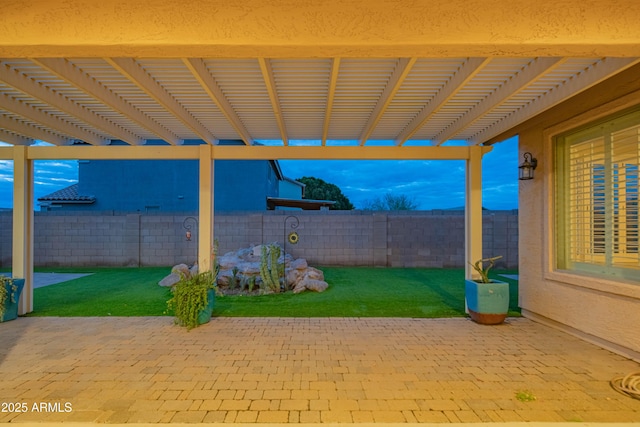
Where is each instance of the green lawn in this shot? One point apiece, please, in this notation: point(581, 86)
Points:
point(353, 292)
point(107, 292)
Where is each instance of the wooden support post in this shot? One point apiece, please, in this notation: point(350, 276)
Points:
point(205, 215)
point(473, 211)
point(22, 253)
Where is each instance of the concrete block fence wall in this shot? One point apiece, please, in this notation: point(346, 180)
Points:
point(349, 238)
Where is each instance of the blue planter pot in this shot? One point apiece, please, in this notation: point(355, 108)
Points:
point(10, 307)
point(487, 303)
point(205, 315)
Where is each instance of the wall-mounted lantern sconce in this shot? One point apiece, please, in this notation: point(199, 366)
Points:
point(527, 167)
point(187, 224)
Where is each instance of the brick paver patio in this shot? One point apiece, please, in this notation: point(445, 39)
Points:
point(289, 370)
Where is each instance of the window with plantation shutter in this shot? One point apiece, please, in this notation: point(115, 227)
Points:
point(598, 198)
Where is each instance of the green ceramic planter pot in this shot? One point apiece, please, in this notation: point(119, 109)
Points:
point(11, 308)
point(487, 303)
point(205, 314)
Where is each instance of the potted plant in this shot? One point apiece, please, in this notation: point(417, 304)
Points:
point(487, 300)
point(193, 299)
point(10, 290)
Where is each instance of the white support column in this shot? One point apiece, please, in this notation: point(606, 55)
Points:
point(473, 211)
point(22, 255)
point(205, 210)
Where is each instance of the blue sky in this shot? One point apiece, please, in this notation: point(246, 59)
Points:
point(430, 184)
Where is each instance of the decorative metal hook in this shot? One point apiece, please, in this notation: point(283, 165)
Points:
point(187, 224)
point(292, 237)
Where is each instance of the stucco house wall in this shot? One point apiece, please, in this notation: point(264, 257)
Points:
point(603, 310)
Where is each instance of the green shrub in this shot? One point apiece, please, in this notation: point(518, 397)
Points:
point(189, 298)
point(7, 297)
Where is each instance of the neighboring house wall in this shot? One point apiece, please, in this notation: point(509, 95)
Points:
point(291, 189)
point(351, 238)
point(172, 185)
point(596, 307)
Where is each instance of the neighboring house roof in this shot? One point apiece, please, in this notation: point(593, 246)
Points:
point(67, 195)
point(305, 204)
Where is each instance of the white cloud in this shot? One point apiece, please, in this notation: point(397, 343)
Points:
point(49, 176)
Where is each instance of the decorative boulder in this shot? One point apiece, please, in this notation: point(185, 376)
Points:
point(293, 277)
point(177, 272)
point(181, 269)
point(299, 264)
point(170, 280)
point(311, 285)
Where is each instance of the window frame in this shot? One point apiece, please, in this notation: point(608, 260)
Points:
point(603, 236)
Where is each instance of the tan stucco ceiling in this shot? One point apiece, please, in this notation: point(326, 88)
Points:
point(255, 70)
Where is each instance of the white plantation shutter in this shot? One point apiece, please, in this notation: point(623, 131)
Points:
point(586, 201)
point(625, 146)
point(598, 198)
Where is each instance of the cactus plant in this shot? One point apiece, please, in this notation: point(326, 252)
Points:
point(269, 271)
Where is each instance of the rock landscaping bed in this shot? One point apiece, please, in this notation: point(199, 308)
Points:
point(258, 270)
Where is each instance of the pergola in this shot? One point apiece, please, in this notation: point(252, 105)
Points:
point(327, 79)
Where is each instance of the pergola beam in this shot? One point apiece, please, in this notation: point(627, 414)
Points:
point(588, 78)
point(331, 94)
point(466, 72)
point(255, 152)
point(29, 131)
point(73, 75)
point(270, 83)
point(398, 76)
point(199, 70)
point(132, 70)
point(531, 73)
point(59, 125)
point(12, 138)
point(19, 81)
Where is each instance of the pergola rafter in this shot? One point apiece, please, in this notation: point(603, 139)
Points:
point(37, 90)
point(10, 135)
point(589, 77)
point(533, 71)
point(400, 73)
point(31, 133)
point(270, 83)
point(465, 73)
point(209, 84)
point(134, 72)
point(331, 93)
point(53, 122)
point(72, 74)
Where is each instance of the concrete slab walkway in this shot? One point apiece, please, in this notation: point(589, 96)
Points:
point(46, 279)
point(292, 370)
